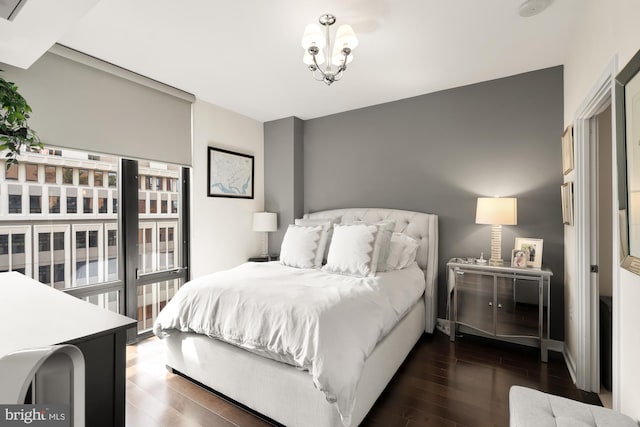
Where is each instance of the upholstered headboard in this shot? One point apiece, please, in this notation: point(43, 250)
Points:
point(420, 226)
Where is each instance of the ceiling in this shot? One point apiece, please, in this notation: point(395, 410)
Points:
point(245, 55)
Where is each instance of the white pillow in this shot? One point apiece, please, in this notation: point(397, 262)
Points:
point(325, 238)
point(352, 250)
point(402, 251)
point(383, 240)
point(300, 246)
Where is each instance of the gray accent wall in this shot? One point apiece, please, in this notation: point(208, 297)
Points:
point(438, 152)
point(284, 173)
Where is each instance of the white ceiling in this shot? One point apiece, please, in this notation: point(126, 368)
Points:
point(245, 55)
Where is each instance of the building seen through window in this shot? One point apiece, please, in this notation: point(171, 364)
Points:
point(59, 217)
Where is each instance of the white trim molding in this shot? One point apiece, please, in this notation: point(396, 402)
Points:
point(585, 367)
point(571, 364)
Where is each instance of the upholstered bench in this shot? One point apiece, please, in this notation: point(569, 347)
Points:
point(532, 408)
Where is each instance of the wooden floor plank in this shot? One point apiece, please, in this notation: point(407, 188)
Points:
point(442, 383)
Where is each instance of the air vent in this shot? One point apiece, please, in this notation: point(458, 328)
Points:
point(9, 8)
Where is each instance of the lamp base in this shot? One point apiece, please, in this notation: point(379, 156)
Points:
point(496, 245)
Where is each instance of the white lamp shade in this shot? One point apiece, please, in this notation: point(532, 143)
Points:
point(308, 59)
point(346, 37)
point(338, 57)
point(497, 211)
point(265, 221)
point(313, 36)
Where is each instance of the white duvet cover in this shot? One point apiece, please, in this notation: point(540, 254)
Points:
point(325, 323)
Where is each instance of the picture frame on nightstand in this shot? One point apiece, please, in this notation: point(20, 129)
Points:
point(519, 258)
point(534, 246)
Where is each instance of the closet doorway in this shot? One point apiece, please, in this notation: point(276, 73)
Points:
point(602, 247)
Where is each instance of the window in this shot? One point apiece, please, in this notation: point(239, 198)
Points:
point(67, 175)
point(15, 203)
point(44, 274)
point(81, 239)
point(4, 244)
point(87, 204)
point(83, 177)
point(58, 241)
point(11, 173)
point(81, 272)
point(98, 179)
point(77, 243)
point(112, 238)
point(93, 239)
point(72, 204)
point(31, 172)
point(58, 273)
point(17, 244)
point(44, 242)
point(102, 205)
point(50, 174)
point(35, 207)
point(54, 204)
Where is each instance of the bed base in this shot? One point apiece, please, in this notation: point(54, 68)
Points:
point(282, 392)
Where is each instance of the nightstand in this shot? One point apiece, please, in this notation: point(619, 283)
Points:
point(263, 258)
point(487, 302)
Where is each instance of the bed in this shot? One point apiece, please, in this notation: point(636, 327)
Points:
point(287, 394)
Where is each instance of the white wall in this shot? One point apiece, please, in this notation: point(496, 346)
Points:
point(608, 28)
point(221, 228)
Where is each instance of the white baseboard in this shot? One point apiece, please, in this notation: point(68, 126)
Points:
point(571, 365)
point(443, 326)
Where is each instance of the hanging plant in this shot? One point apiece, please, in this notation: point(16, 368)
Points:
point(14, 129)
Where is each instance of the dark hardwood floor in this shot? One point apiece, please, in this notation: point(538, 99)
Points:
point(441, 384)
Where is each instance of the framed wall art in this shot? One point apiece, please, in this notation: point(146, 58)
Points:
point(567, 150)
point(534, 247)
point(566, 190)
point(229, 174)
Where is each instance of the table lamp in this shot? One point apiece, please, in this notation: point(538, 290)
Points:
point(266, 222)
point(497, 211)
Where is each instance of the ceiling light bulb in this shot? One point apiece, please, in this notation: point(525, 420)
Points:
point(338, 57)
point(313, 36)
point(346, 37)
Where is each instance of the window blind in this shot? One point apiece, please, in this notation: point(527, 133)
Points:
point(84, 103)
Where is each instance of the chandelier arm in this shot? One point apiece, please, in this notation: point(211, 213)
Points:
point(317, 77)
point(318, 66)
point(342, 67)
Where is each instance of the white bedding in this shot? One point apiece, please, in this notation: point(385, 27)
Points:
point(325, 323)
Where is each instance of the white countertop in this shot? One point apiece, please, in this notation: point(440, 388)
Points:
point(35, 315)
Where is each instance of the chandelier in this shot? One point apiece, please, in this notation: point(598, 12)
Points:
point(319, 53)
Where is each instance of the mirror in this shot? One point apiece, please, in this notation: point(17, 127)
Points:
point(628, 156)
